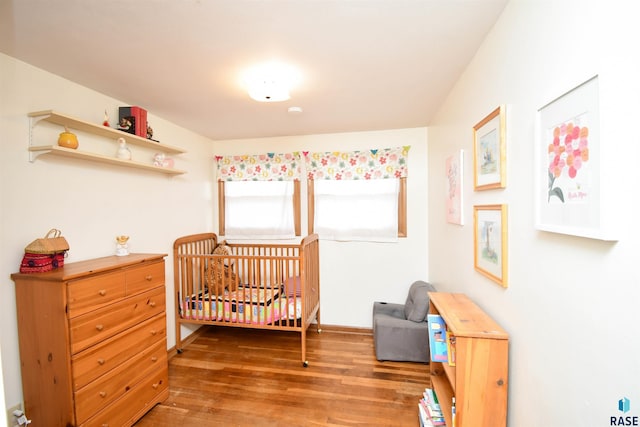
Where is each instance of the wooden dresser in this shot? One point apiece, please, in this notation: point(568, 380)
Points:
point(93, 345)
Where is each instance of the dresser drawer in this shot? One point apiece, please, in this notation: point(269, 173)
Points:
point(145, 277)
point(101, 358)
point(134, 403)
point(88, 294)
point(98, 325)
point(100, 393)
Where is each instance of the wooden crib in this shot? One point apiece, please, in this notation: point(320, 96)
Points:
point(261, 286)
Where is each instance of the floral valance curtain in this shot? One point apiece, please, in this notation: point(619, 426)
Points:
point(366, 164)
point(261, 167)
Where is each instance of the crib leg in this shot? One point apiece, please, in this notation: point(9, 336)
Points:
point(318, 327)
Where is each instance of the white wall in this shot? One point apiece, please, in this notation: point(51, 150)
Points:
point(572, 304)
point(90, 202)
point(355, 274)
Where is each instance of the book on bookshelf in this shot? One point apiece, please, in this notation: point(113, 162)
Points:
point(137, 118)
point(453, 412)
point(431, 407)
point(425, 421)
point(451, 348)
point(437, 338)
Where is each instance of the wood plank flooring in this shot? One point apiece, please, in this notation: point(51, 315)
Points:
point(247, 377)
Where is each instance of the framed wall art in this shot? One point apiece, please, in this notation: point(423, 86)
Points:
point(490, 237)
point(454, 167)
point(489, 151)
point(568, 166)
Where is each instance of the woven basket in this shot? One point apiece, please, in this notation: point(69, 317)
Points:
point(51, 243)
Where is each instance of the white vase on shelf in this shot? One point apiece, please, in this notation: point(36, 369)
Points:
point(123, 151)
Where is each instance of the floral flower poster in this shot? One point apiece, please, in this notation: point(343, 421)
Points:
point(569, 162)
point(453, 202)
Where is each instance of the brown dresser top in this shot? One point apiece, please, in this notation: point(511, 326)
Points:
point(79, 269)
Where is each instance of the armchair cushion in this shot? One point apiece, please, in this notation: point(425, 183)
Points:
point(417, 305)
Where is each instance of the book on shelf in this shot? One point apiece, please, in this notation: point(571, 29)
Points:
point(453, 412)
point(423, 417)
point(133, 120)
point(451, 348)
point(430, 410)
point(437, 338)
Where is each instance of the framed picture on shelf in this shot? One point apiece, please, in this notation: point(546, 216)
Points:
point(454, 168)
point(490, 238)
point(489, 151)
point(568, 166)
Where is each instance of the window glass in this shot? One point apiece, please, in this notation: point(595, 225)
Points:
point(361, 210)
point(259, 209)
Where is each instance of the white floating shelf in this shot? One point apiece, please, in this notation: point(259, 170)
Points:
point(68, 152)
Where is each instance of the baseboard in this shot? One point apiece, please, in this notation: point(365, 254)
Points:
point(345, 329)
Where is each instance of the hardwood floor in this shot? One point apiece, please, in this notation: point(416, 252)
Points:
point(246, 377)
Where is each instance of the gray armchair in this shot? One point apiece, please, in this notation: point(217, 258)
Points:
point(400, 332)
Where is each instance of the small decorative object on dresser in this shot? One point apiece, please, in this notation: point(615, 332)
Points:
point(123, 152)
point(122, 248)
point(45, 254)
point(92, 335)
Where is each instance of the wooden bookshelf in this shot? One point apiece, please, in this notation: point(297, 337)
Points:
point(479, 379)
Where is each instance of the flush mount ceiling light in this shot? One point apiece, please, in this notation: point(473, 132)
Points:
point(267, 90)
point(270, 82)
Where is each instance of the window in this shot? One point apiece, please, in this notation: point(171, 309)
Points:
point(354, 214)
point(259, 209)
point(259, 196)
point(358, 195)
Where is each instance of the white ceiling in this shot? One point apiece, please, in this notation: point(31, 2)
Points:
point(365, 64)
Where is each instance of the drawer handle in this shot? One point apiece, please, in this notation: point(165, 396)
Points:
point(152, 303)
point(101, 361)
point(99, 327)
point(148, 278)
point(154, 332)
point(102, 292)
point(154, 359)
point(105, 425)
point(155, 386)
point(103, 393)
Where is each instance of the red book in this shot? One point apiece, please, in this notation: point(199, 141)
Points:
point(143, 123)
point(139, 121)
